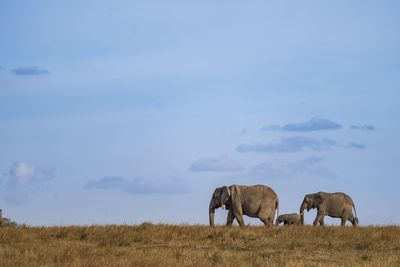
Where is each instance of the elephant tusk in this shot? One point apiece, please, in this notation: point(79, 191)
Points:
point(223, 206)
point(302, 213)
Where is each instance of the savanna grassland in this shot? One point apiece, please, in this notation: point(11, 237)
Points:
point(186, 245)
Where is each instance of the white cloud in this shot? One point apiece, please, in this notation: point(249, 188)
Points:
point(364, 127)
point(25, 179)
point(314, 124)
point(279, 169)
point(31, 70)
point(138, 185)
point(357, 146)
point(290, 144)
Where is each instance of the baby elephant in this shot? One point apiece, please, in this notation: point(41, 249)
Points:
point(289, 219)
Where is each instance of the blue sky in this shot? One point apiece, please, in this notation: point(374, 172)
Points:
point(132, 111)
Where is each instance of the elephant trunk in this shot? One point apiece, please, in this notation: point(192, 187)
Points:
point(211, 215)
point(211, 210)
point(302, 208)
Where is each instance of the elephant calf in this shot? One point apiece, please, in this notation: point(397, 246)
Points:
point(289, 219)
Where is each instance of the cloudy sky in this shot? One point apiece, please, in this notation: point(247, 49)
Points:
point(133, 111)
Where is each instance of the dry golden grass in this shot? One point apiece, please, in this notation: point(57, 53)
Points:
point(184, 245)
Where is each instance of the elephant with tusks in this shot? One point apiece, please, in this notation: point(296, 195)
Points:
point(335, 205)
point(257, 201)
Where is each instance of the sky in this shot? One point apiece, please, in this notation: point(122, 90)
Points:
point(116, 112)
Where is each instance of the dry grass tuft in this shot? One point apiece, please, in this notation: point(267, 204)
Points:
point(174, 245)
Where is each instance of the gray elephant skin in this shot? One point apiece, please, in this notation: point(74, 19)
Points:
point(289, 219)
point(335, 205)
point(257, 201)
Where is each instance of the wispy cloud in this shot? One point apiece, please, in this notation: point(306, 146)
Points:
point(364, 127)
point(272, 127)
point(25, 179)
point(215, 164)
point(138, 185)
point(107, 182)
point(357, 146)
point(278, 169)
point(291, 144)
point(30, 70)
point(314, 124)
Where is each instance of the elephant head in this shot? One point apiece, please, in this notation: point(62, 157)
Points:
point(220, 198)
point(310, 201)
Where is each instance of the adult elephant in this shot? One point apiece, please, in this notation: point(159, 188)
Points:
point(257, 201)
point(335, 205)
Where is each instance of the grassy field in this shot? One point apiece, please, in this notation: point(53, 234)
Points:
point(185, 245)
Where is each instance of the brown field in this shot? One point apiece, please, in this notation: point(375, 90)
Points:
point(185, 245)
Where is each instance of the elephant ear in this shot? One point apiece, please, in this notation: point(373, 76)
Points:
point(317, 200)
point(226, 193)
point(217, 192)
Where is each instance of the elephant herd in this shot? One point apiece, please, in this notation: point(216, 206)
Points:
point(260, 201)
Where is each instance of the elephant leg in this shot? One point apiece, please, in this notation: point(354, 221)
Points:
point(239, 218)
point(321, 222)
point(352, 219)
point(266, 221)
point(230, 218)
point(265, 218)
point(344, 218)
point(319, 218)
point(238, 213)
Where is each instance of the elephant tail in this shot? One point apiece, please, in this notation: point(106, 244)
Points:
point(355, 214)
point(277, 209)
